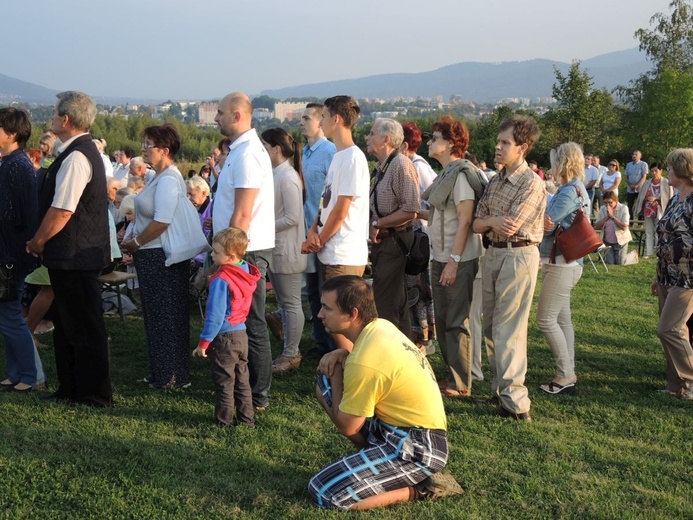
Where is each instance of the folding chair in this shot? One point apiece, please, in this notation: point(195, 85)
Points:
point(599, 252)
point(112, 282)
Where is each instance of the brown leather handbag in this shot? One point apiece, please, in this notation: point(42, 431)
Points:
point(579, 240)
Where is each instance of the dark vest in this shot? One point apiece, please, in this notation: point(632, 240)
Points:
point(84, 242)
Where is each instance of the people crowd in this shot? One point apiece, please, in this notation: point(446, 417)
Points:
point(312, 218)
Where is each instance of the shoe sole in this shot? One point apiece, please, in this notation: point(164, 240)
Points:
point(441, 485)
point(567, 389)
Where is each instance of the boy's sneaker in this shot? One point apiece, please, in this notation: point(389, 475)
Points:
point(284, 363)
point(438, 485)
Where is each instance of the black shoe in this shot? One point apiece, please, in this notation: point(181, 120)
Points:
point(56, 398)
point(524, 416)
point(491, 401)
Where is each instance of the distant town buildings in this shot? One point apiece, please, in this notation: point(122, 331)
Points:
point(208, 112)
point(288, 111)
point(262, 113)
point(391, 115)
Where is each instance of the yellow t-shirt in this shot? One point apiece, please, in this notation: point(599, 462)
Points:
point(386, 375)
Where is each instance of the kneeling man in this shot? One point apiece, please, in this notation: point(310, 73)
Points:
point(384, 397)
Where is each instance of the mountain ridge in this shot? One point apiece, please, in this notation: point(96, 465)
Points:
point(530, 78)
point(485, 82)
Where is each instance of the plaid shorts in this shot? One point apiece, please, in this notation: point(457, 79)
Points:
point(396, 457)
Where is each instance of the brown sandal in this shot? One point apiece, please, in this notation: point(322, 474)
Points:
point(452, 392)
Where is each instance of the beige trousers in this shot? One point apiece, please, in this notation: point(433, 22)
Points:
point(508, 279)
point(675, 308)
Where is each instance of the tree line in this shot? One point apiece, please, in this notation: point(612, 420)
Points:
point(651, 114)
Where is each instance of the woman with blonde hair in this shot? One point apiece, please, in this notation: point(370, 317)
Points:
point(46, 145)
point(559, 276)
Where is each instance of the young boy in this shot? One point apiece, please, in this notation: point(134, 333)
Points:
point(230, 295)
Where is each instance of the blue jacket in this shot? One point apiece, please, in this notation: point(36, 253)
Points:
point(562, 209)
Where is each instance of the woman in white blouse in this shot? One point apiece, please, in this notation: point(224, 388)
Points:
point(611, 178)
point(164, 290)
point(288, 264)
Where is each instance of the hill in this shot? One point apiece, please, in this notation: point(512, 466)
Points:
point(481, 82)
point(12, 89)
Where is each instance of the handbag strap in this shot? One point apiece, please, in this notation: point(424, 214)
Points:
point(378, 177)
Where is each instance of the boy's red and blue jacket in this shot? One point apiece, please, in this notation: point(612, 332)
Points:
point(230, 295)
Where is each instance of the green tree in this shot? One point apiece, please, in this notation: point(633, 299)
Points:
point(661, 115)
point(660, 102)
point(484, 133)
point(572, 115)
point(583, 115)
point(264, 102)
point(670, 44)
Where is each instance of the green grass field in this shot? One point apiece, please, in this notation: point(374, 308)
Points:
point(616, 449)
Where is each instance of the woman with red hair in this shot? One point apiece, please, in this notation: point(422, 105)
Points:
point(456, 249)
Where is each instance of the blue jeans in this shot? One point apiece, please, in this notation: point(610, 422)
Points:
point(320, 335)
point(616, 254)
point(259, 349)
point(23, 362)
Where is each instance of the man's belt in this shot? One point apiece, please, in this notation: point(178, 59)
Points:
point(390, 232)
point(508, 245)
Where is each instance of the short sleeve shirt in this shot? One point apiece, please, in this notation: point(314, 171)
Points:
point(388, 377)
point(247, 166)
point(348, 176)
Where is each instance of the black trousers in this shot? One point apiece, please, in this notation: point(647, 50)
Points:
point(389, 285)
point(82, 355)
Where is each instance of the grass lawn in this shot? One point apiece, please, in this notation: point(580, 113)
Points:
point(616, 449)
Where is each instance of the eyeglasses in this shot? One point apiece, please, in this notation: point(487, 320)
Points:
point(434, 138)
point(146, 146)
point(612, 164)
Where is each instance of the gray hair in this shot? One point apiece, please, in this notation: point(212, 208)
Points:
point(136, 183)
point(197, 183)
point(137, 161)
point(124, 192)
point(384, 126)
point(78, 107)
point(127, 205)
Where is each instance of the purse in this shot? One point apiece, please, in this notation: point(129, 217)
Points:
point(183, 238)
point(579, 240)
point(8, 287)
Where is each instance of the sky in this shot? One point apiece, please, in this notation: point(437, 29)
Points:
point(203, 49)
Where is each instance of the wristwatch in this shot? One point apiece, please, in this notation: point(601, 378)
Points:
point(375, 223)
point(456, 258)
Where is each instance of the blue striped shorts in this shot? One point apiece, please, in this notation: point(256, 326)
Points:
point(396, 457)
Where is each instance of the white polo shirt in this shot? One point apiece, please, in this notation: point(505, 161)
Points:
point(247, 166)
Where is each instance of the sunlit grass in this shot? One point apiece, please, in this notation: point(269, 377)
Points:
point(616, 449)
